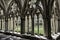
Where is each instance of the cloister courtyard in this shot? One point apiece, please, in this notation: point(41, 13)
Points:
point(29, 19)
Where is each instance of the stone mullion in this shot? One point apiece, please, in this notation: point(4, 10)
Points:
point(38, 23)
point(15, 20)
point(10, 23)
point(26, 28)
point(1, 23)
point(45, 28)
point(13, 24)
point(28, 22)
point(58, 25)
point(17, 23)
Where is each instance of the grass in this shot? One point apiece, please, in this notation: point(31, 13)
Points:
point(41, 29)
point(17, 29)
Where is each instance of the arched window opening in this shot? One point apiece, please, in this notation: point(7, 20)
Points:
point(35, 24)
point(29, 18)
point(38, 25)
point(41, 24)
point(3, 24)
point(26, 28)
point(28, 24)
point(9, 24)
point(54, 19)
point(0, 24)
point(17, 24)
point(14, 21)
point(11, 27)
point(14, 24)
point(2, 20)
point(54, 24)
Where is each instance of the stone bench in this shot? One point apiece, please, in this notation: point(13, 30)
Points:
point(56, 36)
point(34, 37)
point(9, 37)
point(13, 38)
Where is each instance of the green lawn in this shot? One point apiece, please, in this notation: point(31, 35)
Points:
point(41, 29)
point(17, 29)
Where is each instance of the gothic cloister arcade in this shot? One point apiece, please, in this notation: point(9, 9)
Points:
point(30, 19)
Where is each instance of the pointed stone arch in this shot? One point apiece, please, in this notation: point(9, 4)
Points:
point(55, 16)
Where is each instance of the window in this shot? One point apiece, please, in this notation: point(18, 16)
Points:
point(38, 24)
point(0, 24)
point(3, 24)
point(35, 25)
point(28, 24)
point(17, 24)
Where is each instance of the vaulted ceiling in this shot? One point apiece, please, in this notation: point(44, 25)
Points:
point(59, 3)
point(5, 4)
point(59, 8)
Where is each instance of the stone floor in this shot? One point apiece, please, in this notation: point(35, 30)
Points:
point(9, 37)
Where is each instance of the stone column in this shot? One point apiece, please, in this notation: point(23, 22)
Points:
point(1, 23)
point(47, 27)
point(13, 24)
point(22, 24)
point(9, 24)
point(32, 17)
point(53, 23)
point(26, 29)
point(28, 23)
point(15, 27)
point(38, 22)
point(58, 25)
